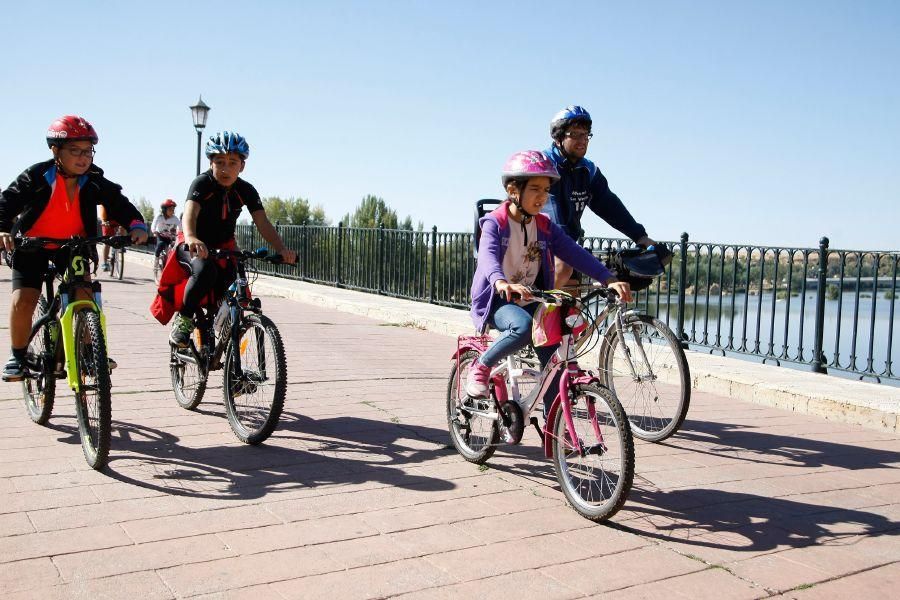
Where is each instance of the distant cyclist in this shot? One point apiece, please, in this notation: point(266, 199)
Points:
point(165, 226)
point(57, 198)
point(213, 205)
point(582, 185)
point(108, 226)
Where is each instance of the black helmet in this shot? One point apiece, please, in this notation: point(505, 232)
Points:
point(639, 267)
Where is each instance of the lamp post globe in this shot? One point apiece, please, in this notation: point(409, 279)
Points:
point(199, 112)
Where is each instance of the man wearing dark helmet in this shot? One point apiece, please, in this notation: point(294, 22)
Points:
point(57, 198)
point(582, 185)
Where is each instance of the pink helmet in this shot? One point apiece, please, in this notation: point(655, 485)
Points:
point(530, 163)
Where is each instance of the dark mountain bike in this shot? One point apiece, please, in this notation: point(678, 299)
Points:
point(246, 345)
point(68, 341)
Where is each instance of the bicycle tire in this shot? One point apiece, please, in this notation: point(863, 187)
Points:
point(39, 391)
point(251, 418)
point(188, 378)
point(595, 490)
point(93, 411)
point(656, 410)
point(119, 265)
point(460, 425)
point(157, 269)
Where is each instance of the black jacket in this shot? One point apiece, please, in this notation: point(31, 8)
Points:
point(28, 195)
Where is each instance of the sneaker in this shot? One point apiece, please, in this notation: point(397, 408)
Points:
point(182, 328)
point(105, 267)
point(13, 370)
point(477, 380)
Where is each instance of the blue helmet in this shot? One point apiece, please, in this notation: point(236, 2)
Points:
point(225, 142)
point(566, 117)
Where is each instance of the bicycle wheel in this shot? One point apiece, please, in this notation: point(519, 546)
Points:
point(39, 385)
point(188, 378)
point(119, 264)
point(92, 400)
point(597, 479)
point(649, 375)
point(473, 436)
point(157, 267)
point(254, 400)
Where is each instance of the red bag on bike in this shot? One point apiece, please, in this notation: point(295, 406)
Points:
point(546, 326)
point(172, 281)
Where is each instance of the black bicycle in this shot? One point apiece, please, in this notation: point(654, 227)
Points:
point(67, 341)
point(237, 338)
point(159, 262)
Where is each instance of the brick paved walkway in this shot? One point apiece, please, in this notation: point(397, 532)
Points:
point(358, 496)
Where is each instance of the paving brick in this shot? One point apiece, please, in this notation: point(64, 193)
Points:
point(711, 584)
point(522, 584)
point(15, 524)
point(185, 525)
point(378, 581)
point(298, 533)
point(28, 574)
point(875, 584)
point(34, 545)
point(70, 517)
point(614, 571)
point(143, 557)
point(224, 574)
point(132, 585)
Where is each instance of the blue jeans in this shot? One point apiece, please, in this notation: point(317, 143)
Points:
point(514, 324)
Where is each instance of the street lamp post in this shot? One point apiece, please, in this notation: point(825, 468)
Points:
point(199, 112)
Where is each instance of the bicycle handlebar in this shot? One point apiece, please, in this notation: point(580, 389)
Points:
point(242, 255)
point(38, 243)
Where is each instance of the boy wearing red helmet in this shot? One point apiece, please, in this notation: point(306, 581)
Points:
point(165, 226)
point(57, 198)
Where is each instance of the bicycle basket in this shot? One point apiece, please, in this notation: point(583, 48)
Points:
point(636, 266)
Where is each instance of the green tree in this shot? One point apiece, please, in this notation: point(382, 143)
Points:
point(294, 211)
point(146, 210)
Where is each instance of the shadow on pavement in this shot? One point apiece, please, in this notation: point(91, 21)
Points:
point(367, 451)
point(745, 522)
point(759, 446)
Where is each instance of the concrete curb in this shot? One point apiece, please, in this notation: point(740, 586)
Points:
point(859, 403)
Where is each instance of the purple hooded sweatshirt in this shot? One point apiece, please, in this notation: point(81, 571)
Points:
point(552, 241)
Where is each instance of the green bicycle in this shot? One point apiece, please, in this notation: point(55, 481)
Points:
point(68, 341)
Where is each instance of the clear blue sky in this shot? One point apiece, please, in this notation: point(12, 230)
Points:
point(766, 122)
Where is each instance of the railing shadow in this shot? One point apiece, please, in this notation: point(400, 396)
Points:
point(760, 446)
point(744, 522)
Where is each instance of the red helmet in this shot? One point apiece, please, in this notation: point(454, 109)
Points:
point(168, 203)
point(69, 128)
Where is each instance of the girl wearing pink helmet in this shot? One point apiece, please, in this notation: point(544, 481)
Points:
point(516, 252)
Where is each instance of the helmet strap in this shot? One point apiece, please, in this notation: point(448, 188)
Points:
point(526, 217)
point(65, 174)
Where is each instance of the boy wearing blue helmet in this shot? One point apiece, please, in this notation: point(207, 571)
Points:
point(211, 211)
point(582, 185)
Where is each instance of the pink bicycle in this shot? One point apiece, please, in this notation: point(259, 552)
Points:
point(586, 432)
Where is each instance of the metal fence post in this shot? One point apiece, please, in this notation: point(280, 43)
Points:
point(380, 258)
point(682, 287)
point(819, 361)
point(340, 253)
point(432, 286)
point(301, 257)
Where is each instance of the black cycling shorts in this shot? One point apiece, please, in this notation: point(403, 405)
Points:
point(29, 267)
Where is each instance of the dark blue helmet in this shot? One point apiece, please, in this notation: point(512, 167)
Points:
point(566, 117)
point(225, 142)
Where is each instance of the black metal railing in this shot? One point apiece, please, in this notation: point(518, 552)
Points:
point(822, 308)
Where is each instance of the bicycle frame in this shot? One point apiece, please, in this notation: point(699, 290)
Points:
point(69, 285)
point(563, 361)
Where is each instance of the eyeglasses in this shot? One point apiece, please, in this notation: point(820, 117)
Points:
point(75, 152)
point(579, 137)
